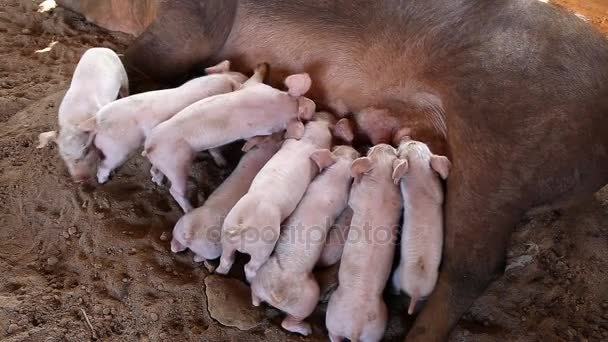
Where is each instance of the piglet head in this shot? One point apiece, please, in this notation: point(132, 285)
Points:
point(77, 151)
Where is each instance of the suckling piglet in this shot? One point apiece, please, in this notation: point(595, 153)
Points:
point(200, 230)
point(98, 80)
point(422, 234)
point(286, 281)
point(122, 126)
point(356, 309)
point(255, 109)
point(254, 224)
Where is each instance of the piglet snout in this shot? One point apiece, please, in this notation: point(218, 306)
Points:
point(177, 247)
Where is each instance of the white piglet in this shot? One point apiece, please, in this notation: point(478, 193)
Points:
point(254, 110)
point(356, 310)
point(122, 126)
point(286, 281)
point(200, 230)
point(98, 80)
point(422, 234)
point(254, 224)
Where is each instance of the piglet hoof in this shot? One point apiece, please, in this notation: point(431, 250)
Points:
point(157, 176)
point(255, 300)
point(296, 326)
point(103, 177)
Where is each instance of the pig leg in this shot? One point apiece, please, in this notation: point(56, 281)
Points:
point(157, 176)
point(296, 325)
point(226, 260)
point(175, 164)
point(258, 76)
point(477, 230)
point(218, 158)
point(255, 300)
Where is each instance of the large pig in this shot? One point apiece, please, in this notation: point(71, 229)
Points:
point(122, 126)
point(418, 176)
point(98, 80)
point(254, 224)
point(255, 109)
point(517, 91)
point(356, 309)
point(336, 238)
point(286, 281)
point(200, 230)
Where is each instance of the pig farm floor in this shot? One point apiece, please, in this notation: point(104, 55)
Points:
point(70, 255)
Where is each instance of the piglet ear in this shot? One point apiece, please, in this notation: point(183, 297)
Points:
point(306, 108)
point(344, 131)
point(89, 125)
point(441, 165)
point(298, 84)
point(45, 138)
point(323, 158)
point(400, 167)
point(360, 166)
point(223, 66)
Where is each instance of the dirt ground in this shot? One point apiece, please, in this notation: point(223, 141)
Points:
point(72, 253)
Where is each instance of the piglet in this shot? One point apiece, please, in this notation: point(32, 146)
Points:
point(422, 233)
point(122, 126)
point(356, 309)
point(336, 238)
point(286, 281)
point(200, 230)
point(253, 225)
point(256, 109)
point(98, 80)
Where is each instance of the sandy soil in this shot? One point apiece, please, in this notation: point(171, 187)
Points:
point(69, 254)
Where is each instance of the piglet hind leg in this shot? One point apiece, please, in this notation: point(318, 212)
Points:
point(258, 75)
point(477, 230)
point(226, 261)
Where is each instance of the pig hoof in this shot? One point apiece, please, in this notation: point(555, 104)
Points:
point(296, 326)
point(222, 270)
point(210, 268)
point(101, 179)
point(255, 300)
point(157, 180)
